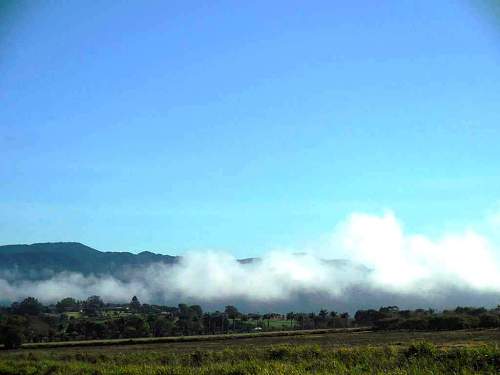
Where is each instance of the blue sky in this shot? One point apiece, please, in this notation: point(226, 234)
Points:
point(243, 126)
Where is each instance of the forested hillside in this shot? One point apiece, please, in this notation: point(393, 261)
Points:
point(41, 260)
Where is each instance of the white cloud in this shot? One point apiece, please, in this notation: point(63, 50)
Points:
point(416, 263)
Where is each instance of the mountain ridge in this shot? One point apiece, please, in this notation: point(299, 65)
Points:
point(41, 260)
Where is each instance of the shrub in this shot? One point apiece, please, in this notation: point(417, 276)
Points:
point(415, 324)
point(11, 337)
point(489, 320)
point(421, 349)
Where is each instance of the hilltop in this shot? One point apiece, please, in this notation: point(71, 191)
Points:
point(41, 260)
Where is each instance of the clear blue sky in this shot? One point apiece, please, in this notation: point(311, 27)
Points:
point(243, 126)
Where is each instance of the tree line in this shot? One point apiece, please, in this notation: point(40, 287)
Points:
point(71, 319)
point(392, 318)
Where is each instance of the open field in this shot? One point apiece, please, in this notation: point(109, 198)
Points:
point(190, 339)
point(461, 352)
point(330, 338)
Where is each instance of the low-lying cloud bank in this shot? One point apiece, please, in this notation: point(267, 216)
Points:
point(382, 265)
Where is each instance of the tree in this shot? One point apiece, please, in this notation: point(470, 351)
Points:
point(232, 313)
point(11, 332)
point(135, 326)
point(218, 322)
point(11, 337)
point(184, 311)
point(196, 325)
point(489, 320)
point(333, 317)
point(162, 327)
point(312, 317)
point(323, 313)
point(254, 316)
point(389, 309)
point(301, 318)
point(67, 304)
point(290, 316)
point(368, 316)
point(197, 310)
point(135, 305)
point(29, 306)
point(93, 305)
point(207, 323)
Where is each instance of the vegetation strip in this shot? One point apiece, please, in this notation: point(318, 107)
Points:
point(80, 323)
point(417, 358)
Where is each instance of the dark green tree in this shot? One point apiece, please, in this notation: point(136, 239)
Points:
point(29, 306)
point(67, 304)
point(197, 310)
point(135, 305)
point(184, 311)
point(11, 337)
point(135, 326)
point(11, 331)
point(290, 316)
point(232, 313)
point(163, 327)
point(323, 313)
point(93, 306)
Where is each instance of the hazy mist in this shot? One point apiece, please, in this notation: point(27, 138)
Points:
point(381, 265)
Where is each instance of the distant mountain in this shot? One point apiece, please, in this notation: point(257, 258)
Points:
point(42, 260)
point(22, 267)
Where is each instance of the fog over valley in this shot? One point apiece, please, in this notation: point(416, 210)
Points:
point(367, 261)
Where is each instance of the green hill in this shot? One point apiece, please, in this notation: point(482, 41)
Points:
point(41, 260)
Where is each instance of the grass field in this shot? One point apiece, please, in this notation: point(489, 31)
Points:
point(73, 314)
point(179, 339)
point(454, 352)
